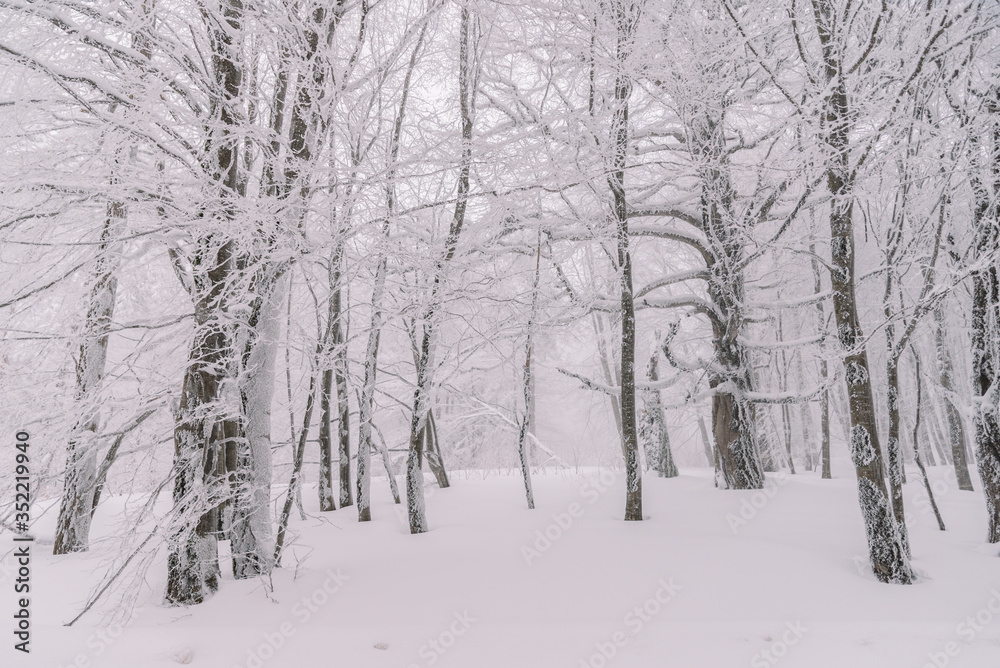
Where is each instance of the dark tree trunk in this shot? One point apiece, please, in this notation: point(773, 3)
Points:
point(986, 311)
point(625, 15)
point(528, 385)
point(325, 484)
point(199, 486)
point(885, 546)
point(522, 450)
point(985, 303)
point(199, 446)
point(335, 375)
point(733, 417)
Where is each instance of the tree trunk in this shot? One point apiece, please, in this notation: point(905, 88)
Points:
point(192, 559)
point(733, 417)
point(77, 504)
point(250, 534)
point(626, 15)
point(711, 456)
point(985, 302)
point(956, 428)
point(324, 485)
point(885, 546)
point(894, 448)
point(366, 402)
point(916, 450)
point(432, 448)
point(986, 311)
point(653, 428)
point(528, 385)
point(897, 473)
point(199, 441)
point(296, 479)
point(824, 400)
point(418, 423)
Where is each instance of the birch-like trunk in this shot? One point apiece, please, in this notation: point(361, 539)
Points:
point(250, 533)
point(824, 399)
point(528, 386)
point(653, 426)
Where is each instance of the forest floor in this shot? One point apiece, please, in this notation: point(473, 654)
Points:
point(712, 579)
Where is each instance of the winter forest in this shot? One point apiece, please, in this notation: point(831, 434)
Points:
point(307, 304)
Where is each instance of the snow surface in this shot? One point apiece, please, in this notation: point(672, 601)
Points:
point(791, 579)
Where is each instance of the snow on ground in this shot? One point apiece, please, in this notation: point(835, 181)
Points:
point(712, 579)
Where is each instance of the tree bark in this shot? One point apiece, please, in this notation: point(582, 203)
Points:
point(199, 442)
point(335, 375)
point(985, 181)
point(885, 546)
point(199, 434)
point(985, 311)
point(733, 417)
point(625, 16)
